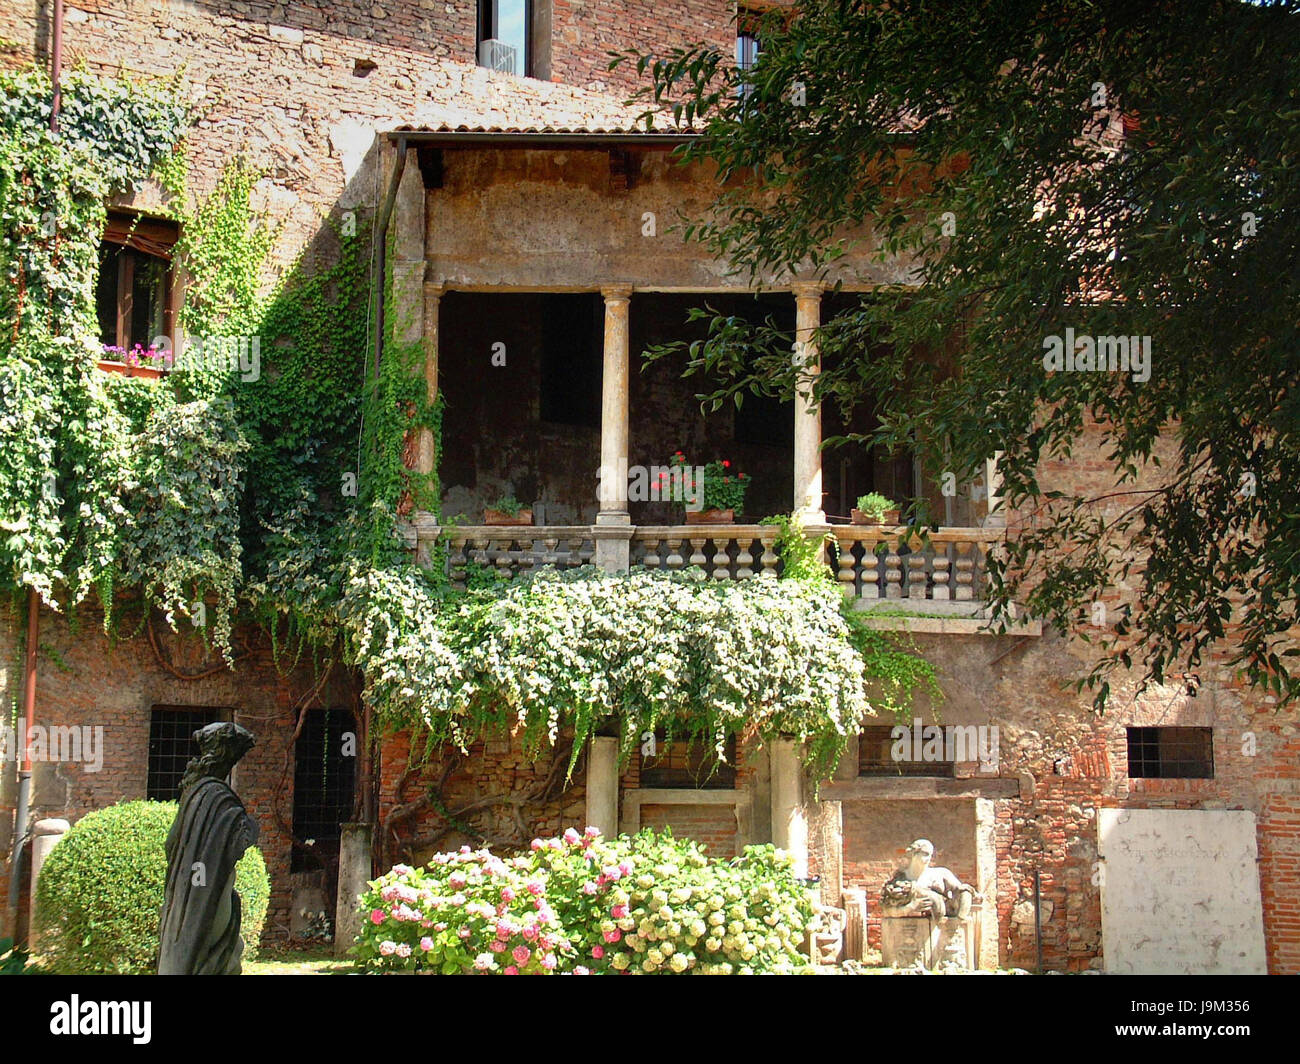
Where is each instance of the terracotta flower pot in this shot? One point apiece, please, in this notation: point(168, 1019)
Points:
point(710, 517)
point(497, 517)
point(148, 372)
point(890, 517)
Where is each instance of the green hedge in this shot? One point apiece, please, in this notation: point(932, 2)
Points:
point(101, 892)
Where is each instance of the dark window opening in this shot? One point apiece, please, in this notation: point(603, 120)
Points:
point(876, 756)
point(765, 420)
point(172, 745)
point(505, 36)
point(684, 764)
point(1170, 753)
point(324, 780)
point(573, 329)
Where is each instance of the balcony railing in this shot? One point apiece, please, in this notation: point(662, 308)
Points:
point(877, 565)
point(946, 572)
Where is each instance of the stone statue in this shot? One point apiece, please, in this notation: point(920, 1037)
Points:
point(918, 888)
point(198, 933)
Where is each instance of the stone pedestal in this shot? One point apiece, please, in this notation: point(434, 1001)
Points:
point(908, 941)
point(44, 835)
point(602, 784)
point(354, 875)
point(855, 923)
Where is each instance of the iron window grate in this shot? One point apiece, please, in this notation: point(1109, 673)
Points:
point(172, 745)
point(1170, 753)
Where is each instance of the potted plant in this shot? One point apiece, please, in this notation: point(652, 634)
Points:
point(875, 509)
point(721, 491)
point(508, 510)
point(147, 362)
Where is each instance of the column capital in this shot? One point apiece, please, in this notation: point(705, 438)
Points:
point(434, 289)
point(808, 289)
point(615, 293)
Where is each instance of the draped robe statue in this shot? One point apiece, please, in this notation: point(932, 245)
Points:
point(198, 933)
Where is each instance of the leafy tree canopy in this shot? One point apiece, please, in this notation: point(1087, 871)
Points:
point(1118, 169)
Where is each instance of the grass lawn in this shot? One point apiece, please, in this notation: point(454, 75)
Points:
point(319, 961)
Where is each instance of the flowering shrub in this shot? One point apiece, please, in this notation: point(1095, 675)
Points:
point(583, 904)
point(570, 649)
point(139, 356)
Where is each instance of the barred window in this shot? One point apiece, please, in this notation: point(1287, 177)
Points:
point(1170, 753)
point(876, 756)
point(172, 745)
point(323, 783)
point(683, 764)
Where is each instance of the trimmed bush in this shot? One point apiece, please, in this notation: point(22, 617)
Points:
point(579, 903)
point(101, 892)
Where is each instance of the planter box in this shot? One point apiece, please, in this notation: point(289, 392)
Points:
point(890, 518)
point(496, 517)
point(710, 517)
point(148, 372)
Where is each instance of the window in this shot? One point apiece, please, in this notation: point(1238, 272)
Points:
point(1170, 753)
point(171, 745)
point(505, 35)
point(573, 341)
point(133, 291)
point(747, 48)
point(683, 764)
point(876, 756)
point(324, 779)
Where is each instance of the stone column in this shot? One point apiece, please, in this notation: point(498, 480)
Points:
point(602, 784)
point(426, 459)
point(789, 823)
point(44, 835)
point(613, 524)
point(807, 414)
point(354, 874)
point(986, 881)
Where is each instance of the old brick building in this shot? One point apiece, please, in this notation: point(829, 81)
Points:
point(534, 222)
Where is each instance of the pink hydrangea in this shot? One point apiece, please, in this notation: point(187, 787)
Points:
point(376, 916)
point(512, 970)
point(464, 932)
point(625, 867)
point(496, 945)
point(387, 949)
point(548, 961)
point(507, 894)
point(580, 970)
point(530, 933)
point(613, 872)
point(464, 849)
point(535, 887)
point(521, 954)
point(572, 837)
point(458, 879)
point(426, 943)
point(613, 936)
point(402, 870)
point(598, 952)
point(403, 949)
point(590, 887)
point(537, 844)
point(591, 832)
point(618, 912)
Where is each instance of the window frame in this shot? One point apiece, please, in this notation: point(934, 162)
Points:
point(721, 775)
point(1153, 751)
point(154, 791)
point(487, 24)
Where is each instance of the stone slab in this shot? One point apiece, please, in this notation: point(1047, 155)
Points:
point(1180, 892)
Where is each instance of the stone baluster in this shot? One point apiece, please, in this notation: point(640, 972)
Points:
point(893, 573)
point(721, 558)
point(456, 561)
point(965, 572)
point(697, 556)
point(674, 560)
point(504, 559)
point(651, 559)
point(478, 549)
point(550, 556)
point(848, 566)
point(870, 570)
point(916, 579)
point(941, 574)
point(744, 559)
point(770, 558)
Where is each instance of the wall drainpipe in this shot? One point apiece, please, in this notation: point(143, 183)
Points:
point(25, 762)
